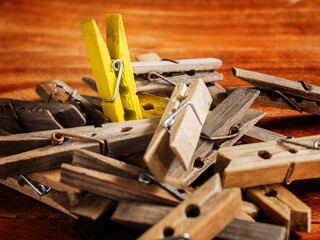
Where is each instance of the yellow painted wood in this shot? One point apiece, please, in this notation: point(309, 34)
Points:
point(103, 72)
point(118, 49)
point(152, 106)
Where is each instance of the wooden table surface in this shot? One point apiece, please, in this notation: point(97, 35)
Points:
point(42, 40)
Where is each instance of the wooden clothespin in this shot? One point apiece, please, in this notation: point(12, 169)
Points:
point(270, 162)
point(58, 91)
point(20, 119)
point(280, 92)
point(144, 215)
point(33, 152)
point(202, 216)
point(19, 115)
point(118, 93)
point(179, 129)
point(166, 73)
point(227, 123)
point(202, 163)
point(115, 179)
point(63, 197)
point(279, 206)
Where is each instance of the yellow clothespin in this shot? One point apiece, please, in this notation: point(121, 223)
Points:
point(120, 102)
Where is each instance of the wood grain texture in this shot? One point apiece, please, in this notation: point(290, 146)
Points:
point(267, 98)
point(262, 163)
point(157, 84)
point(300, 213)
point(203, 215)
point(92, 206)
point(114, 187)
point(183, 65)
point(139, 215)
point(143, 215)
point(223, 117)
point(117, 45)
point(243, 230)
point(66, 114)
point(46, 89)
point(42, 40)
point(29, 121)
point(101, 65)
point(186, 131)
point(281, 207)
point(95, 161)
point(201, 164)
point(62, 201)
point(51, 178)
point(268, 82)
point(158, 156)
point(258, 134)
point(40, 159)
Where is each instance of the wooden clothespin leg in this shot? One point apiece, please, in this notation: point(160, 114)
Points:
point(117, 104)
point(118, 49)
point(184, 132)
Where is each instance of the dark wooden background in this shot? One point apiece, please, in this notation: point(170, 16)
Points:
point(42, 40)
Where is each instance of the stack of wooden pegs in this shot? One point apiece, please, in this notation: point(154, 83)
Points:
point(165, 166)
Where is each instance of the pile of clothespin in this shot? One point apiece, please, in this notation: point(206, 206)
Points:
point(155, 150)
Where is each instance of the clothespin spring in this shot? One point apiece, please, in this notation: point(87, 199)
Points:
point(119, 70)
point(315, 144)
point(284, 97)
point(147, 179)
point(57, 138)
point(170, 60)
point(150, 79)
point(71, 94)
point(234, 131)
point(41, 189)
point(185, 236)
point(170, 120)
